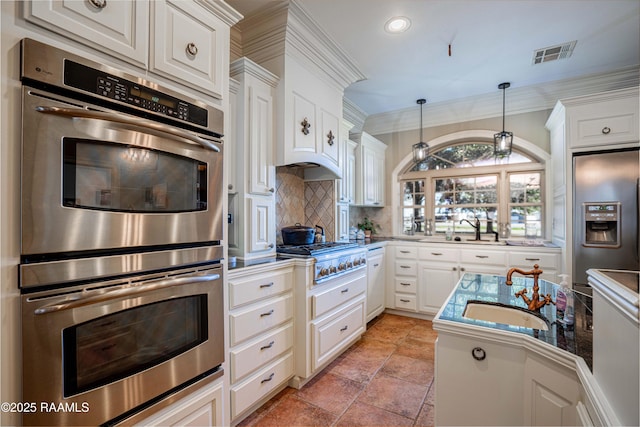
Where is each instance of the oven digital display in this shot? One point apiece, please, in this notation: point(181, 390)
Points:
point(153, 97)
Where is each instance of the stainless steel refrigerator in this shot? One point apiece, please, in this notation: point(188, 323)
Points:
point(605, 201)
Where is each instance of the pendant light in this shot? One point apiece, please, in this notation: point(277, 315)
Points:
point(503, 141)
point(421, 149)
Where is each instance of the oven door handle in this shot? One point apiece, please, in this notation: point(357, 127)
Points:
point(119, 118)
point(125, 292)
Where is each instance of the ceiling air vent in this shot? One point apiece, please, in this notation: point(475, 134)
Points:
point(553, 53)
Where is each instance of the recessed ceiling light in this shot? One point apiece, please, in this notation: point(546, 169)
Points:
point(397, 24)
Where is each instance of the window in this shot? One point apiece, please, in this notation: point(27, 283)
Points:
point(463, 182)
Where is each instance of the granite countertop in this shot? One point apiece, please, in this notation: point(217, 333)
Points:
point(235, 265)
point(576, 339)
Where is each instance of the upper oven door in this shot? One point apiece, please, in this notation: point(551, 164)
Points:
point(97, 180)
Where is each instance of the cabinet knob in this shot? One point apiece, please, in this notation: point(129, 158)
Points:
point(270, 246)
point(461, 268)
point(192, 49)
point(455, 269)
point(98, 4)
point(606, 130)
point(272, 190)
point(230, 186)
point(479, 354)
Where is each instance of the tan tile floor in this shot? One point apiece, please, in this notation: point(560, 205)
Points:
point(385, 379)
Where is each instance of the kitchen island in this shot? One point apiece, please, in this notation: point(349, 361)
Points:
point(513, 375)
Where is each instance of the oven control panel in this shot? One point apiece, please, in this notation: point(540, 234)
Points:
point(333, 265)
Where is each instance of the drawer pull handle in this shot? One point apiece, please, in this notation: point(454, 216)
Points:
point(405, 284)
point(532, 259)
point(268, 313)
point(479, 354)
point(264, 347)
point(267, 285)
point(376, 265)
point(482, 256)
point(266, 380)
point(98, 4)
point(405, 266)
point(436, 253)
point(405, 300)
point(344, 329)
point(344, 291)
point(405, 252)
point(606, 130)
point(192, 49)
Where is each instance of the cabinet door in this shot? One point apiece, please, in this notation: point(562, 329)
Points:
point(304, 125)
point(370, 181)
point(551, 394)
point(351, 169)
point(188, 45)
point(261, 233)
point(261, 168)
point(434, 286)
point(375, 284)
point(118, 28)
point(329, 141)
point(343, 222)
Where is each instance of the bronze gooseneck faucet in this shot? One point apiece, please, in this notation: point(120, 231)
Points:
point(476, 226)
point(535, 303)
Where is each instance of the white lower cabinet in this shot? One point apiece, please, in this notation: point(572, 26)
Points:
point(502, 383)
point(478, 392)
point(202, 408)
point(551, 394)
point(375, 282)
point(261, 334)
point(331, 333)
point(425, 274)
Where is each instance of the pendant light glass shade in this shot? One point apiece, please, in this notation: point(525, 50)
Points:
point(421, 149)
point(503, 141)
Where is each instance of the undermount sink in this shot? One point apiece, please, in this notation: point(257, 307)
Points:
point(509, 315)
point(465, 241)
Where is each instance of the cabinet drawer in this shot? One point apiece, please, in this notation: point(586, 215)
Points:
point(410, 252)
point(406, 285)
point(254, 355)
point(256, 287)
point(483, 257)
point(331, 298)
point(406, 302)
point(605, 122)
point(332, 335)
point(259, 385)
point(406, 268)
point(526, 260)
point(259, 318)
point(438, 254)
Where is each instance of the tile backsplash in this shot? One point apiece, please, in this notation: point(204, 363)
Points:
point(309, 203)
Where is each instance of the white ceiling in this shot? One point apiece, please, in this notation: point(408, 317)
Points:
point(492, 41)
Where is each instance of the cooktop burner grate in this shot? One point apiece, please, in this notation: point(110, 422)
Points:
point(315, 248)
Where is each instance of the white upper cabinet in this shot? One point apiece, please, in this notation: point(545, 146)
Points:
point(603, 120)
point(370, 171)
point(119, 28)
point(184, 41)
point(189, 44)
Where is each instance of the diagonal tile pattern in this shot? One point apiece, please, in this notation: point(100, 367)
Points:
point(385, 379)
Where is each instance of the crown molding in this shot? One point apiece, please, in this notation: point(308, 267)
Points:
point(354, 114)
point(246, 66)
point(283, 29)
point(518, 100)
point(222, 10)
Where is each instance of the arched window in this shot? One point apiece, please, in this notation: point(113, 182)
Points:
point(463, 181)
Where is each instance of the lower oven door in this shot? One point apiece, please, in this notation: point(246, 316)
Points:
point(111, 349)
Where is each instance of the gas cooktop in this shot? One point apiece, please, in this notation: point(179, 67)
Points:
point(314, 248)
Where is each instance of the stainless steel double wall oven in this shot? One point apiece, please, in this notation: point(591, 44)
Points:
point(120, 270)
